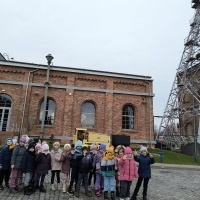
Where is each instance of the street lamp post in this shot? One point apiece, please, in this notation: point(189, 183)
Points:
point(49, 58)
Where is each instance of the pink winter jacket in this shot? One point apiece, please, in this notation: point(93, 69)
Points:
point(128, 169)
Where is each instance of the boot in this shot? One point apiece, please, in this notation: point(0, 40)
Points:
point(134, 197)
point(77, 194)
point(70, 191)
point(42, 189)
point(59, 186)
point(53, 187)
point(7, 185)
point(97, 192)
point(112, 195)
point(106, 195)
point(88, 194)
point(64, 188)
point(117, 191)
point(12, 190)
point(1, 187)
point(27, 191)
point(144, 197)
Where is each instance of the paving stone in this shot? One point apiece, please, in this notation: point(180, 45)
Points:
point(165, 184)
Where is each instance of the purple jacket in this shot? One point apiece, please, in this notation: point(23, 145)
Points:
point(128, 169)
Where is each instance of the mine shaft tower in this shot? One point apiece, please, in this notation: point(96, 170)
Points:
point(180, 121)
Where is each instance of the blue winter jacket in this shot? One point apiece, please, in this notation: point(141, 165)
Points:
point(5, 158)
point(144, 169)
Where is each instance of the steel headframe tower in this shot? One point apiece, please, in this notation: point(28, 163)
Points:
point(183, 103)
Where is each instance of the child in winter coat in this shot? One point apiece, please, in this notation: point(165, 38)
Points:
point(144, 171)
point(108, 173)
point(85, 165)
point(127, 173)
point(56, 165)
point(93, 152)
point(74, 166)
point(119, 153)
point(28, 167)
point(5, 160)
point(65, 165)
point(99, 182)
point(43, 161)
point(16, 165)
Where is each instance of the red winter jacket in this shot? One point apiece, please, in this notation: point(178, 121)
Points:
point(128, 169)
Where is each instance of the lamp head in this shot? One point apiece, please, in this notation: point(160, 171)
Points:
point(49, 58)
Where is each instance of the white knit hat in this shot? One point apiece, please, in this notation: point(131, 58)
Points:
point(67, 145)
point(143, 148)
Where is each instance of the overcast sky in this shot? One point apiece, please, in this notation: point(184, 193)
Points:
point(142, 37)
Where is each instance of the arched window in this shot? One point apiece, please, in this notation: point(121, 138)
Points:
point(49, 112)
point(5, 111)
point(128, 117)
point(88, 115)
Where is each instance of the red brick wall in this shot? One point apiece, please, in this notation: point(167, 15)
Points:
point(108, 104)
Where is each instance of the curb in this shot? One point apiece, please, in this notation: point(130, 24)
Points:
point(175, 166)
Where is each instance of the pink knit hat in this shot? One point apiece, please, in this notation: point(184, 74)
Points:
point(45, 147)
point(128, 150)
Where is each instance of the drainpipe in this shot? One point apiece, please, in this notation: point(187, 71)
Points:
point(25, 99)
point(150, 134)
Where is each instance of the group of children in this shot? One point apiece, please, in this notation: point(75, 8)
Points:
point(113, 170)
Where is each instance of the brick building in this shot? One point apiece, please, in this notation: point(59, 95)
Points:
point(105, 102)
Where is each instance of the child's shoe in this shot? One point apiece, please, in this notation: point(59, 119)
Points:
point(105, 195)
point(42, 189)
point(77, 194)
point(12, 190)
point(70, 191)
point(53, 187)
point(97, 192)
point(88, 194)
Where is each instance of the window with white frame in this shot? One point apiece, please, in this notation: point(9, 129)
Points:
point(128, 117)
point(88, 115)
point(49, 112)
point(5, 111)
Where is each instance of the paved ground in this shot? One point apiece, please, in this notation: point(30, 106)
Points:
point(168, 182)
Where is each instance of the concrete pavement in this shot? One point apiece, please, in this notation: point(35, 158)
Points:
point(168, 182)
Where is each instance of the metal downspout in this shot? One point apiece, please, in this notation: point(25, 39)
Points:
point(25, 99)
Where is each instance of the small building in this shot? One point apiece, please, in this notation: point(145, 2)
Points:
point(101, 101)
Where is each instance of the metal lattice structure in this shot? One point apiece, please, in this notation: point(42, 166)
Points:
point(180, 119)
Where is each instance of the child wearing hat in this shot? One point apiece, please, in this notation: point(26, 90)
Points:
point(145, 160)
point(108, 173)
point(119, 153)
point(74, 165)
point(43, 161)
point(65, 165)
point(99, 182)
point(93, 152)
point(127, 173)
point(56, 165)
point(16, 165)
point(28, 167)
point(84, 167)
point(5, 160)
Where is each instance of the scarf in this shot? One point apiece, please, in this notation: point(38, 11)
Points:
point(108, 157)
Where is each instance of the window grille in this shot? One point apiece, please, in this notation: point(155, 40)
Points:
point(128, 117)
